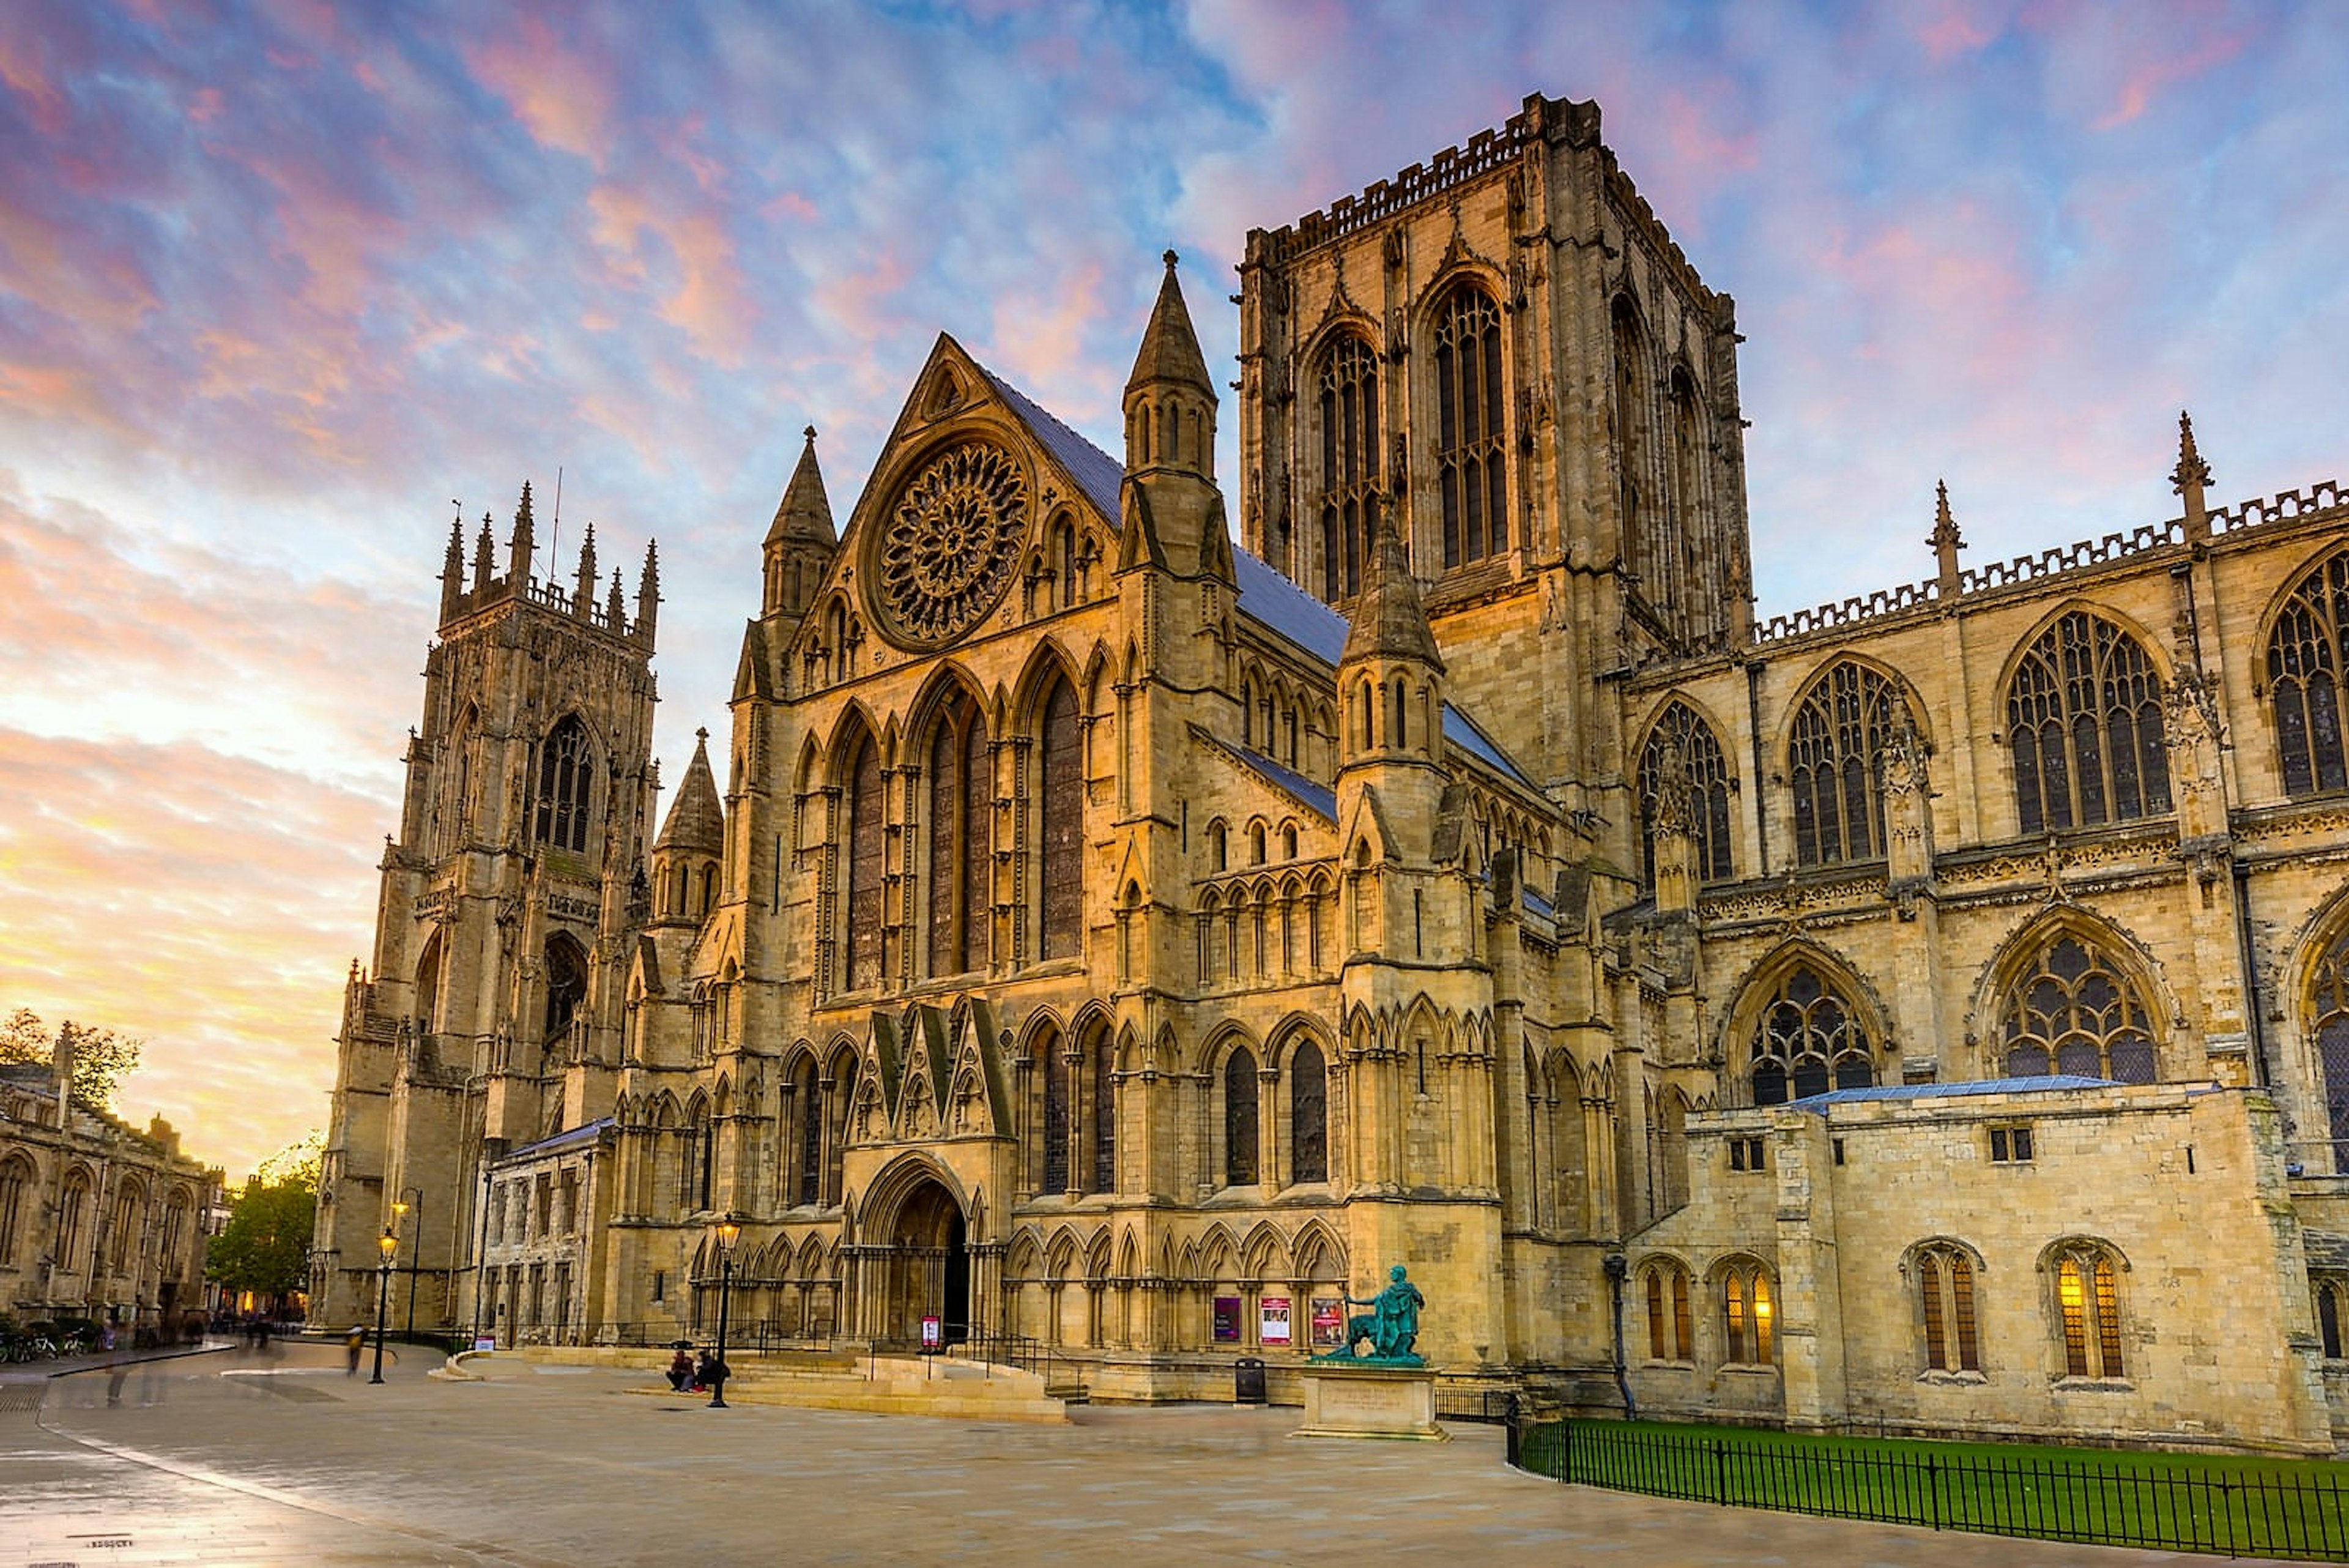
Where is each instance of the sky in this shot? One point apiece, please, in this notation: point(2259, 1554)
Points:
point(279, 282)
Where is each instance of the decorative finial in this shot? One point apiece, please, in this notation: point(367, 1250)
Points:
point(810, 433)
point(1170, 258)
point(702, 735)
point(2191, 469)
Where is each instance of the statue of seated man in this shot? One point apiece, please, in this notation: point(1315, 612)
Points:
point(1391, 1325)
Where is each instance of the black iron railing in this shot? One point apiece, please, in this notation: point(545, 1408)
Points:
point(2156, 1500)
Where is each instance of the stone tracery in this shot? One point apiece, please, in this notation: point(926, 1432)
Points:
point(953, 541)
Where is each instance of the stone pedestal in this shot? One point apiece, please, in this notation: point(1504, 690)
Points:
point(1368, 1401)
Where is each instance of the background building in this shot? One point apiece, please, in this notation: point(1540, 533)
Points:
point(1928, 1012)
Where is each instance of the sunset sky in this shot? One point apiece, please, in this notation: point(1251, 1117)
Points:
point(279, 281)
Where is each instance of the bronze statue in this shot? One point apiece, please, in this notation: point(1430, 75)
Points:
point(1391, 1325)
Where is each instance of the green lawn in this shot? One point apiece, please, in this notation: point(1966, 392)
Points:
point(2284, 1508)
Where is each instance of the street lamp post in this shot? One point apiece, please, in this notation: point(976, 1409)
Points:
point(727, 1232)
point(416, 1247)
point(391, 1244)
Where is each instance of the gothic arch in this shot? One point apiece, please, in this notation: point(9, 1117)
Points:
point(1830, 743)
point(2034, 944)
point(906, 1176)
point(1860, 1028)
point(2303, 674)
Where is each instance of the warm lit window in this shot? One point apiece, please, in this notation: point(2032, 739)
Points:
point(1471, 463)
point(1945, 1294)
point(1806, 1042)
point(2084, 721)
point(2308, 657)
point(2087, 1304)
point(2073, 1010)
point(1746, 1315)
point(1682, 741)
point(1836, 763)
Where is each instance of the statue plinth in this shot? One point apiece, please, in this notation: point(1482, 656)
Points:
point(1369, 1399)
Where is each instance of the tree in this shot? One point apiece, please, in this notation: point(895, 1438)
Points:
point(102, 1058)
point(266, 1248)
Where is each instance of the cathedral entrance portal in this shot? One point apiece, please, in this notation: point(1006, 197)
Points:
point(929, 1266)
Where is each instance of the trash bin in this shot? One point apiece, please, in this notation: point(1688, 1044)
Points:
point(1247, 1381)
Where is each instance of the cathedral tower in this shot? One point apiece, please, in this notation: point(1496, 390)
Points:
point(489, 1014)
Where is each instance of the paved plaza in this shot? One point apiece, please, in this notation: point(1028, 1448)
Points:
point(232, 1457)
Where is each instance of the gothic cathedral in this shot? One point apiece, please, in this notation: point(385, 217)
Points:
point(1128, 928)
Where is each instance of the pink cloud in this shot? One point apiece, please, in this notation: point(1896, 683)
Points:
point(564, 97)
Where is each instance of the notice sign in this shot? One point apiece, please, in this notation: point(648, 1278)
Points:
point(486, 1342)
point(1272, 1320)
point(1329, 1320)
point(1227, 1320)
point(934, 1333)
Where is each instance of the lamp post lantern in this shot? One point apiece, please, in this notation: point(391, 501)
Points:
point(391, 1244)
point(416, 1247)
point(727, 1232)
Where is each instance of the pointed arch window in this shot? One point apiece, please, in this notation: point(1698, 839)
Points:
point(1808, 1040)
point(1471, 428)
point(2308, 655)
point(839, 1100)
point(1632, 410)
point(1747, 1329)
point(2332, 1309)
point(1686, 492)
point(15, 1181)
point(2088, 1311)
point(961, 813)
point(1062, 824)
point(73, 1219)
point(1349, 399)
point(1669, 1327)
point(1104, 1113)
point(2084, 719)
point(862, 874)
point(1835, 761)
point(806, 1089)
point(1308, 1113)
point(1055, 1119)
point(1945, 1299)
point(2329, 1027)
point(566, 988)
point(1680, 734)
point(1239, 1117)
point(2074, 1009)
point(565, 770)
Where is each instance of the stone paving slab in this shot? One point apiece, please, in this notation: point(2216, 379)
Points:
point(288, 1459)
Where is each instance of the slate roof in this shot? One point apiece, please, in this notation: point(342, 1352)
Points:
point(2040, 1083)
point(585, 1132)
point(1320, 797)
point(1266, 596)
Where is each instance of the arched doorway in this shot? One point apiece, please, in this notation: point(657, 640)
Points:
point(929, 1266)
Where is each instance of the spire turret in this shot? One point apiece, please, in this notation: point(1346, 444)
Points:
point(1170, 348)
point(453, 566)
point(1390, 623)
point(1945, 541)
point(687, 855)
point(524, 542)
point(2188, 478)
point(615, 608)
point(1173, 514)
point(801, 540)
point(648, 595)
point(485, 551)
point(583, 593)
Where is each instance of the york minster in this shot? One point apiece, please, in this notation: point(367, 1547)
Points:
point(1127, 906)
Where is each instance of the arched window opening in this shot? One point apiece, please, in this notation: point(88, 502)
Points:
point(1745, 1316)
point(1061, 834)
point(1239, 1118)
point(1349, 463)
point(1681, 737)
point(840, 1097)
point(1632, 412)
point(1104, 1113)
point(808, 1095)
point(427, 1000)
point(1834, 761)
point(1056, 1113)
point(2087, 1304)
point(15, 1182)
point(2084, 720)
point(861, 874)
point(2308, 660)
point(1471, 412)
point(73, 1221)
point(1669, 1336)
point(2329, 1028)
point(961, 832)
point(1218, 846)
point(1685, 494)
point(2331, 1297)
point(565, 770)
point(2073, 1010)
point(1308, 1113)
point(1256, 844)
point(566, 988)
point(1945, 1291)
point(1809, 1039)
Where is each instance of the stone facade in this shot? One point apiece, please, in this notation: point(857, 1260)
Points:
point(1110, 936)
point(97, 1219)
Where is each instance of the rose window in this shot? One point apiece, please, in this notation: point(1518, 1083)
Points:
point(953, 541)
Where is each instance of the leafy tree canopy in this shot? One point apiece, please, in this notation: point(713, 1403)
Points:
point(266, 1248)
point(102, 1057)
